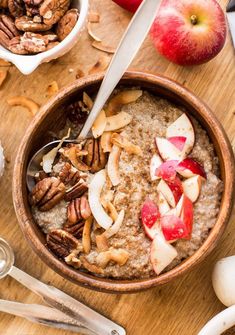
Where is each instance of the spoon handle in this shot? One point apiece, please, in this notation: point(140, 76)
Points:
point(126, 51)
point(43, 315)
point(68, 305)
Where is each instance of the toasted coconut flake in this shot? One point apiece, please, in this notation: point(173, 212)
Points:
point(100, 65)
point(116, 226)
point(106, 197)
point(99, 124)
point(73, 155)
point(90, 32)
point(91, 267)
point(129, 147)
point(4, 63)
point(102, 47)
point(122, 98)
point(86, 235)
point(105, 141)
point(52, 88)
point(119, 256)
point(94, 17)
point(113, 165)
point(94, 193)
point(112, 210)
point(102, 243)
point(32, 106)
point(73, 260)
point(3, 75)
point(87, 100)
point(49, 158)
point(118, 121)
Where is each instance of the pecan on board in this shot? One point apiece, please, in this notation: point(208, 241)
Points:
point(16, 7)
point(7, 30)
point(62, 243)
point(16, 47)
point(67, 23)
point(27, 24)
point(51, 45)
point(53, 10)
point(96, 159)
point(34, 43)
point(47, 193)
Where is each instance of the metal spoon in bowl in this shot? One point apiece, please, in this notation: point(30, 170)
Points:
point(73, 311)
point(126, 51)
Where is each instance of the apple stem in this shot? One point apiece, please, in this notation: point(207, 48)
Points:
point(193, 19)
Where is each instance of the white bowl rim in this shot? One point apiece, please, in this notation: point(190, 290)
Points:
point(28, 63)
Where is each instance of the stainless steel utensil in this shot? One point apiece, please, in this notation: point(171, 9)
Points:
point(61, 301)
point(231, 18)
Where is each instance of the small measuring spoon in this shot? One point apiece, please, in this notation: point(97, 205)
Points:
point(61, 301)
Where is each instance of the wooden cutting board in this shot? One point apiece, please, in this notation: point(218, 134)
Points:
point(181, 307)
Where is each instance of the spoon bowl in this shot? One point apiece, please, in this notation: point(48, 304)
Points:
point(7, 258)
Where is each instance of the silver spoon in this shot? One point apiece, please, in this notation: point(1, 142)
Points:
point(61, 301)
point(126, 51)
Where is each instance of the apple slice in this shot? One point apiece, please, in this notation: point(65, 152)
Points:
point(161, 254)
point(187, 214)
point(151, 232)
point(189, 168)
point(173, 227)
point(167, 170)
point(192, 187)
point(155, 162)
point(167, 150)
point(162, 204)
point(171, 190)
point(149, 213)
point(182, 127)
point(178, 141)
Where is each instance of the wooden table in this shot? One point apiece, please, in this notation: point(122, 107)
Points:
point(181, 307)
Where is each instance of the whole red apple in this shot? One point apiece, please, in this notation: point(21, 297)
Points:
point(189, 32)
point(130, 5)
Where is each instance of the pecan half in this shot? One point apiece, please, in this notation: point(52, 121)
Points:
point(26, 23)
point(34, 43)
point(47, 193)
point(69, 175)
point(96, 159)
point(16, 47)
point(78, 209)
point(16, 7)
point(75, 230)
point(67, 23)
point(7, 30)
point(51, 45)
point(76, 191)
point(53, 10)
point(62, 243)
point(3, 3)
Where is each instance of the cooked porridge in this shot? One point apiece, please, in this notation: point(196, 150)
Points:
point(136, 200)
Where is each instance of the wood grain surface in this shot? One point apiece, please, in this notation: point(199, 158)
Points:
point(186, 304)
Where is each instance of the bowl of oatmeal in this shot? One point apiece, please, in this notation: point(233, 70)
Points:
point(140, 201)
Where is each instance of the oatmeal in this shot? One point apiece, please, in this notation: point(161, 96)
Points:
point(152, 188)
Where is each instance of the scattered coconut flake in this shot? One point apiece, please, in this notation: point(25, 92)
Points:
point(100, 65)
point(129, 147)
point(113, 165)
point(112, 210)
point(49, 158)
point(90, 32)
point(2, 160)
point(94, 17)
point(105, 141)
point(122, 98)
point(94, 194)
point(86, 235)
point(118, 121)
point(102, 47)
point(116, 226)
point(119, 256)
point(31, 105)
point(52, 88)
point(101, 243)
point(91, 267)
point(3, 75)
point(99, 124)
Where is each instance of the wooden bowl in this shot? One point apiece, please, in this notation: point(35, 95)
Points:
point(52, 115)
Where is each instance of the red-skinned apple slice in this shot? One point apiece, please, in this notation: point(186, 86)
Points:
point(189, 168)
point(155, 162)
point(187, 214)
point(173, 227)
point(171, 190)
point(162, 204)
point(167, 170)
point(182, 127)
point(151, 232)
point(192, 187)
point(178, 141)
point(167, 150)
point(161, 254)
point(149, 213)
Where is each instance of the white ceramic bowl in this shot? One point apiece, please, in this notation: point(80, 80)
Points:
point(28, 63)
